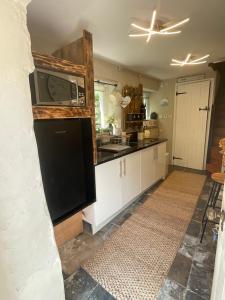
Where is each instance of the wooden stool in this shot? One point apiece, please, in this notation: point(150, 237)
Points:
point(218, 182)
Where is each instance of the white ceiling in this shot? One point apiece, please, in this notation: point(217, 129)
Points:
point(54, 23)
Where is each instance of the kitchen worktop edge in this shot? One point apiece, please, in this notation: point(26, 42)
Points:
point(104, 156)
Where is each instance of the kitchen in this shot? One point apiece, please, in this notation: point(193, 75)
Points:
point(110, 145)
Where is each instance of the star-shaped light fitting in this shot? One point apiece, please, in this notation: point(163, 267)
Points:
point(189, 61)
point(156, 29)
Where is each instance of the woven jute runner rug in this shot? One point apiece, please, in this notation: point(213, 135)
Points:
point(133, 263)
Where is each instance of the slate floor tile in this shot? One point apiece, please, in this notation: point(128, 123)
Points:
point(79, 286)
point(171, 290)
point(198, 214)
point(204, 257)
point(74, 252)
point(106, 232)
point(194, 228)
point(201, 204)
point(188, 246)
point(144, 198)
point(207, 243)
point(121, 218)
point(189, 295)
point(206, 188)
point(180, 269)
point(133, 207)
point(100, 293)
point(200, 280)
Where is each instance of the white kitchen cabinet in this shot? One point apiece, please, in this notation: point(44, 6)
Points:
point(161, 161)
point(120, 181)
point(153, 165)
point(117, 183)
point(147, 168)
point(108, 189)
point(108, 194)
point(131, 177)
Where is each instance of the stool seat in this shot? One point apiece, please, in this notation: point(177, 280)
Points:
point(218, 177)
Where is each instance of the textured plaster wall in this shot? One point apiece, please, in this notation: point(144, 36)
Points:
point(109, 71)
point(30, 267)
point(165, 113)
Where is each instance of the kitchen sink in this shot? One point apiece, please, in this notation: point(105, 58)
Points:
point(114, 147)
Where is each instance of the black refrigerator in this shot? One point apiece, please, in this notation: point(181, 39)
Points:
point(66, 161)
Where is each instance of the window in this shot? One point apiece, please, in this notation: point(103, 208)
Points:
point(146, 101)
point(104, 108)
point(99, 110)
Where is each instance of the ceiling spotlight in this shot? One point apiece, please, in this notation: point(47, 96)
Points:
point(156, 29)
point(189, 61)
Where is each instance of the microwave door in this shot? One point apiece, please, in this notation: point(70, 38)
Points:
point(52, 88)
point(59, 89)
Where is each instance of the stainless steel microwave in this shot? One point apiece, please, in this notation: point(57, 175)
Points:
point(56, 88)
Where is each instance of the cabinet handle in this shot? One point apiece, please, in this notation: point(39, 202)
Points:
point(120, 168)
point(124, 166)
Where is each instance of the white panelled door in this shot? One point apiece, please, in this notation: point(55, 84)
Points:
point(190, 124)
point(218, 288)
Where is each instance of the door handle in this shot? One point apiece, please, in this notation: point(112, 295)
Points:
point(181, 93)
point(205, 108)
point(120, 168)
point(124, 166)
point(174, 157)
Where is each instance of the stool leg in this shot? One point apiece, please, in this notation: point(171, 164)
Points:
point(203, 229)
point(216, 195)
point(209, 200)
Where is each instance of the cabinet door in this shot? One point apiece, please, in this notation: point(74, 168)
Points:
point(161, 161)
point(131, 177)
point(147, 168)
point(108, 178)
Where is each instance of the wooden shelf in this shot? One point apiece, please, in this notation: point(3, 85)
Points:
point(58, 112)
point(50, 62)
point(76, 59)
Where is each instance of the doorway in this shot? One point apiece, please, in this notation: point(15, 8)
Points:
point(191, 116)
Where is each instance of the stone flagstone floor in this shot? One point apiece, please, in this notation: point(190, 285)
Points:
point(189, 278)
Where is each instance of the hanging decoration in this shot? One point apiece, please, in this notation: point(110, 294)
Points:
point(125, 101)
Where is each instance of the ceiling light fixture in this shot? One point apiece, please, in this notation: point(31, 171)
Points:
point(189, 61)
point(156, 29)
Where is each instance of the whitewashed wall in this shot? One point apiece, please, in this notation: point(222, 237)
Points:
point(29, 262)
point(165, 113)
point(105, 70)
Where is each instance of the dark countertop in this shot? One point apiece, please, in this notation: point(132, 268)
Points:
point(105, 156)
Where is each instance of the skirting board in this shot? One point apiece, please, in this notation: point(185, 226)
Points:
point(68, 229)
